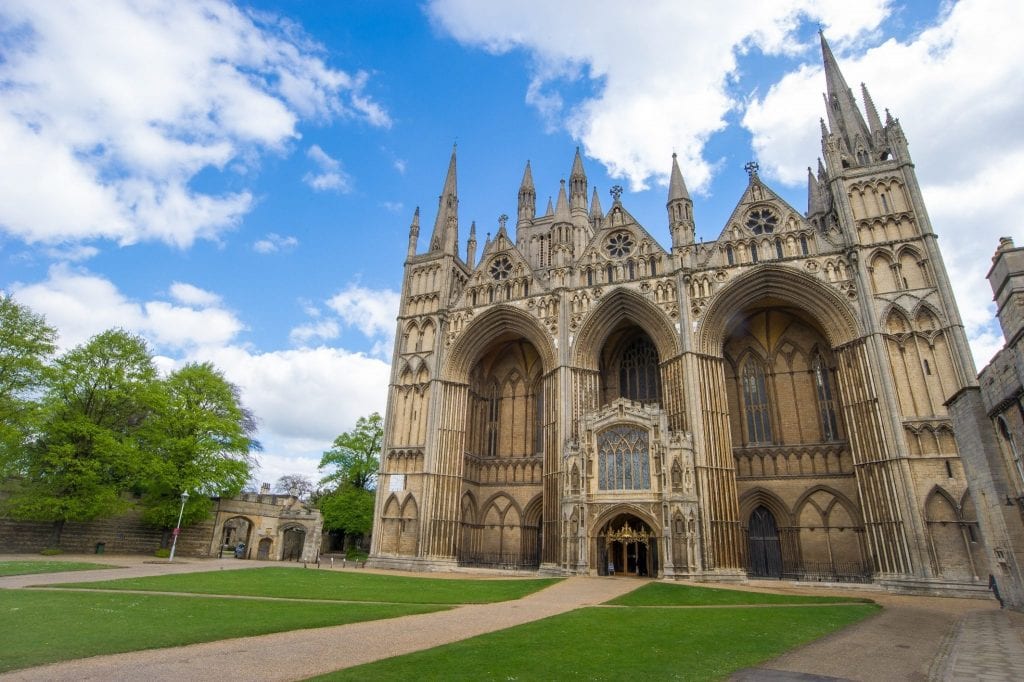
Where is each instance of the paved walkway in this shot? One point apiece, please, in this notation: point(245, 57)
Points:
point(912, 638)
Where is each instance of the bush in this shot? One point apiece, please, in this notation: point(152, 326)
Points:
point(162, 553)
point(356, 554)
point(52, 551)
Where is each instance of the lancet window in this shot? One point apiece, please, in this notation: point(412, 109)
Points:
point(826, 405)
point(755, 400)
point(639, 376)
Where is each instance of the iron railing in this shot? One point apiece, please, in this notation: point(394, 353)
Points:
point(511, 562)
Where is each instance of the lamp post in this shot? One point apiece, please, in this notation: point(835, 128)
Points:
point(177, 529)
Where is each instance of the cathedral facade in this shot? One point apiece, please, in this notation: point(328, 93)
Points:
point(583, 400)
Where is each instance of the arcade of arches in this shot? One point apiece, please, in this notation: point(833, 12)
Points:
point(582, 399)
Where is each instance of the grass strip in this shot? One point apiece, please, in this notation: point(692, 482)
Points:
point(327, 584)
point(31, 567)
point(620, 644)
point(673, 594)
point(39, 627)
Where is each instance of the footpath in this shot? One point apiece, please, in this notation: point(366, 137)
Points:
point(912, 638)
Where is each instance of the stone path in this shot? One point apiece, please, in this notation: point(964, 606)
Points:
point(912, 638)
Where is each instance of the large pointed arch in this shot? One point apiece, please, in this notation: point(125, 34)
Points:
point(781, 286)
point(615, 309)
point(497, 323)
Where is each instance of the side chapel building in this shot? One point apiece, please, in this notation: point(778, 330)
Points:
point(582, 399)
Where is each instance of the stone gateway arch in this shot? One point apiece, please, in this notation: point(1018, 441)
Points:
point(582, 399)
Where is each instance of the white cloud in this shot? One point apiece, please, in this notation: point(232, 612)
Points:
point(110, 108)
point(303, 398)
point(659, 71)
point(330, 175)
point(81, 304)
point(72, 253)
point(371, 311)
point(955, 88)
point(190, 294)
point(393, 206)
point(322, 330)
point(274, 242)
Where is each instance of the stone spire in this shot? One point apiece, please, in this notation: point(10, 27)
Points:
point(680, 208)
point(414, 232)
point(815, 201)
point(551, 208)
point(527, 197)
point(596, 214)
point(446, 227)
point(844, 118)
point(578, 185)
point(874, 122)
point(471, 245)
point(562, 214)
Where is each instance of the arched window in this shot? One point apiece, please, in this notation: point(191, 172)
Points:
point(622, 461)
point(538, 418)
point(826, 405)
point(639, 378)
point(610, 272)
point(778, 248)
point(803, 244)
point(654, 266)
point(753, 252)
point(755, 399)
point(631, 269)
point(590, 277)
point(729, 255)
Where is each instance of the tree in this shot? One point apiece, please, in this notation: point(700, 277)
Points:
point(85, 454)
point(347, 506)
point(26, 344)
point(295, 484)
point(355, 455)
point(200, 439)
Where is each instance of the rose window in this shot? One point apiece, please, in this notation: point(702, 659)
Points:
point(619, 245)
point(762, 221)
point(501, 268)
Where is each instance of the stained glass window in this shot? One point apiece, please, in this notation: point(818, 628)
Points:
point(623, 463)
point(755, 399)
point(639, 375)
point(826, 406)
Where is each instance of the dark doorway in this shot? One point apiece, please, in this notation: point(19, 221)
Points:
point(294, 541)
point(765, 555)
point(627, 546)
point(263, 553)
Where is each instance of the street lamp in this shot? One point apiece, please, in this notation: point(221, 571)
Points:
point(177, 530)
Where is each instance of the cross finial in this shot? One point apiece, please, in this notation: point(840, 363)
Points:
point(751, 167)
point(502, 219)
point(616, 192)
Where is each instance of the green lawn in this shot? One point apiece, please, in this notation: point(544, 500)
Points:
point(38, 627)
point(621, 644)
point(669, 594)
point(29, 567)
point(326, 584)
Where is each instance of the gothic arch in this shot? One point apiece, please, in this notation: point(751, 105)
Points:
point(497, 323)
point(626, 508)
point(624, 305)
point(762, 497)
point(838, 498)
point(780, 285)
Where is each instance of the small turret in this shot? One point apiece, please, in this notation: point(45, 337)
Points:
point(596, 214)
point(578, 186)
point(414, 232)
point(680, 208)
point(471, 245)
point(527, 197)
point(815, 200)
point(874, 122)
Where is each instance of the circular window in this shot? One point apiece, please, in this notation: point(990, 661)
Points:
point(501, 268)
point(762, 221)
point(619, 244)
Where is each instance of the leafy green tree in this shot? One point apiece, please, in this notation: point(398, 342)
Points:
point(26, 344)
point(353, 462)
point(355, 456)
point(200, 439)
point(86, 453)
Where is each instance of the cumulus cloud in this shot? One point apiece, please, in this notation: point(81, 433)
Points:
point(109, 109)
point(321, 330)
point(330, 175)
point(659, 73)
point(371, 311)
point(81, 304)
point(955, 88)
point(274, 242)
point(303, 398)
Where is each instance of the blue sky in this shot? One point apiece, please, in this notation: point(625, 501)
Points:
point(235, 182)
